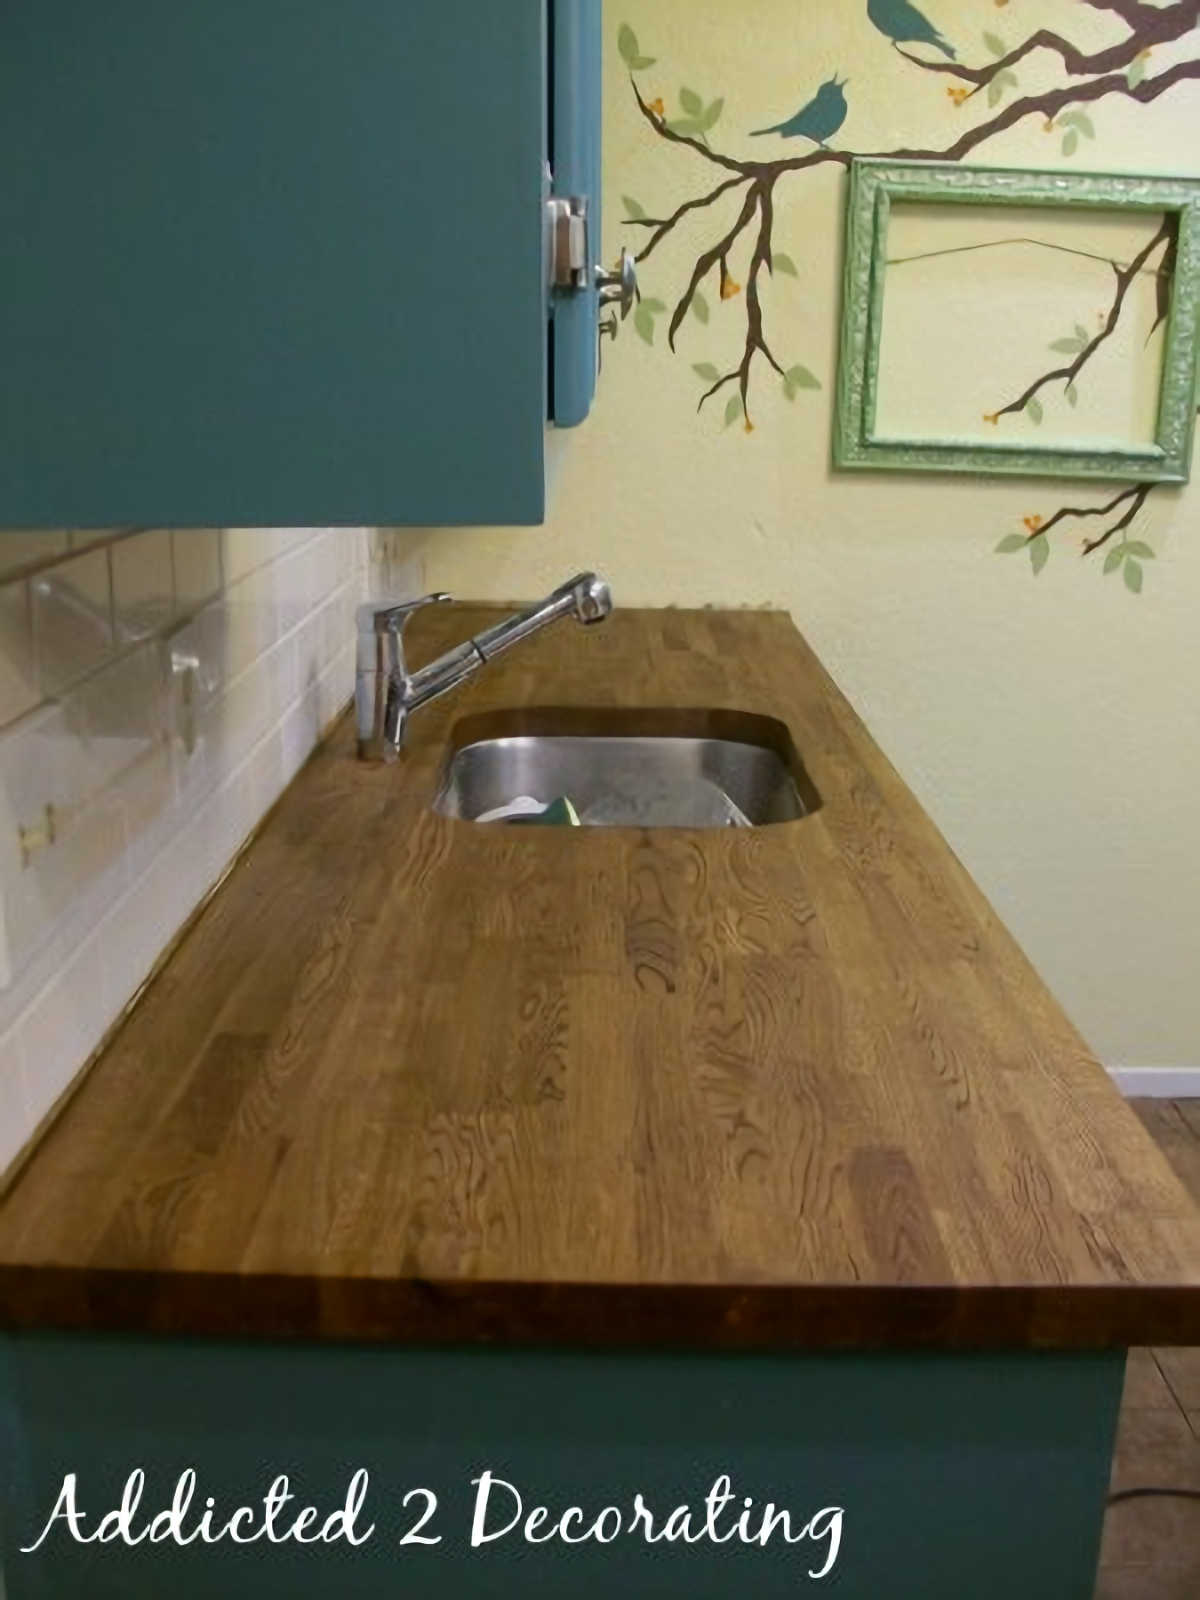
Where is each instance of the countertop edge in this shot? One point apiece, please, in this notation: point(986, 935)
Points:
point(418, 1311)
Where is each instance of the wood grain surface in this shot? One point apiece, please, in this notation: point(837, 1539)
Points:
point(410, 1078)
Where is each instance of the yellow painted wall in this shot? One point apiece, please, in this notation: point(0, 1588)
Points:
point(1050, 725)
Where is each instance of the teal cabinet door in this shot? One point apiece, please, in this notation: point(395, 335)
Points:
point(273, 261)
point(575, 126)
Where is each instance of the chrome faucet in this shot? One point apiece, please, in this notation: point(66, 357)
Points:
point(386, 692)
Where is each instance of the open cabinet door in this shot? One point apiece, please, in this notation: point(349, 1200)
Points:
point(575, 135)
point(272, 262)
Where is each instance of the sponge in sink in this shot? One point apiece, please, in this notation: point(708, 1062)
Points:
point(559, 812)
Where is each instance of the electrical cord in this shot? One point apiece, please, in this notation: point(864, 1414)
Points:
point(1149, 1492)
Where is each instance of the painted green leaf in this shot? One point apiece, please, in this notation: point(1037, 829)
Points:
point(1139, 548)
point(640, 63)
point(734, 409)
point(687, 127)
point(706, 370)
point(1136, 73)
point(632, 207)
point(1080, 120)
point(1067, 346)
point(1133, 576)
point(801, 378)
point(995, 91)
point(653, 306)
point(643, 322)
point(1011, 542)
point(1071, 143)
point(789, 389)
point(1034, 410)
point(785, 264)
point(995, 44)
point(1039, 552)
point(1081, 333)
point(627, 44)
point(700, 307)
point(691, 102)
point(1072, 395)
point(1008, 77)
point(1114, 559)
point(713, 115)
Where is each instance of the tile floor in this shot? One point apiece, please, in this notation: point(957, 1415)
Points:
point(1151, 1548)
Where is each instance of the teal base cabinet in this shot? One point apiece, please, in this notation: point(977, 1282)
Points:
point(285, 264)
point(960, 1475)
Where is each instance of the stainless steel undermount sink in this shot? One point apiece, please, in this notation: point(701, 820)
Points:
point(672, 768)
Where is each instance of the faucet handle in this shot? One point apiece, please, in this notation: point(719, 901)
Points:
point(380, 628)
point(382, 677)
point(377, 617)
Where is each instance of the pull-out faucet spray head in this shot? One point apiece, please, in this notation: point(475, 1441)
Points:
point(386, 692)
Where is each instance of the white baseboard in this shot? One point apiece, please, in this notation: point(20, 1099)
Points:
point(1165, 1083)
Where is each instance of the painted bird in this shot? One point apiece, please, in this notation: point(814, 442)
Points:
point(819, 120)
point(902, 23)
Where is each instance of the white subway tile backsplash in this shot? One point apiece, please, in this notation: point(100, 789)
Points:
point(335, 687)
point(84, 538)
point(191, 682)
point(248, 707)
point(196, 554)
point(16, 1113)
point(18, 680)
point(260, 664)
point(21, 549)
point(172, 881)
point(72, 619)
point(120, 709)
point(143, 585)
point(245, 623)
point(81, 780)
point(292, 583)
point(63, 845)
point(68, 1019)
point(42, 762)
point(243, 550)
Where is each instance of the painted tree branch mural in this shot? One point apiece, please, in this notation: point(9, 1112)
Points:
point(1084, 347)
point(1122, 69)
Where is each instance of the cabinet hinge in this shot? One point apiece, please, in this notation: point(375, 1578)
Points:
point(567, 241)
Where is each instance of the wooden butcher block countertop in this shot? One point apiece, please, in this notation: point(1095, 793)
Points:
point(415, 1079)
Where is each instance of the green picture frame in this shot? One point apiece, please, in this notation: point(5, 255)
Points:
point(875, 185)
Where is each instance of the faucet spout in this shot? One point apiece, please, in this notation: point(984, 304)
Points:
point(386, 692)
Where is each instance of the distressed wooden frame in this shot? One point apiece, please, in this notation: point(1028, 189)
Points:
point(874, 185)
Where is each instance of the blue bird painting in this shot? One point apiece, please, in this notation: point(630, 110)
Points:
point(902, 23)
point(819, 120)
